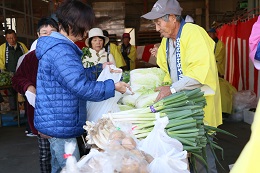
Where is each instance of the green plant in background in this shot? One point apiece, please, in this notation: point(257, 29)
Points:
point(5, 78)
point(86, 53)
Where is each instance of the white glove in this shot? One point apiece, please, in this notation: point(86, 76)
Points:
point(30, 97)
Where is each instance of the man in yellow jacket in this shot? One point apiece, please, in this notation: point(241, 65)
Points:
point(113, 49)
point(186, 54)
point(219, 51)
point(11, 51)
point(128, 51)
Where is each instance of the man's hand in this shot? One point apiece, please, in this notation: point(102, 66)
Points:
point(154, 51)
point(164, 92)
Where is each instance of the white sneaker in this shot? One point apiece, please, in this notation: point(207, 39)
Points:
point(30, 135)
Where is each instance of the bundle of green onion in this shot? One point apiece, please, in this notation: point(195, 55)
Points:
point(185, 113)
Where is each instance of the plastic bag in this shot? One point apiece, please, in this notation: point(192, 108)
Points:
point(95, 110)
point(167, 152)
point(242, 100)
point(96, 162)
point(71, 163)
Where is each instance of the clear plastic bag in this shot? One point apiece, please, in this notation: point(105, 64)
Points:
point(95, 110)
point(242, 100)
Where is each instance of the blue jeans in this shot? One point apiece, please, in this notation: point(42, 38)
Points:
point(57, 146)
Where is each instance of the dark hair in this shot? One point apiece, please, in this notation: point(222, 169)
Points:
point(76, 15)
point(10, 31)
point(105, 33)
point(90, 39)
point(45, 22)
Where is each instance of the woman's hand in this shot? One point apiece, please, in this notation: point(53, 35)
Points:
point(122, 87)
point(107, 63)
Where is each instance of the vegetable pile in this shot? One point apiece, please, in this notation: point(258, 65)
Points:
point(119, 149)
point(185, 113)
point(143, 83)
point(5, 78)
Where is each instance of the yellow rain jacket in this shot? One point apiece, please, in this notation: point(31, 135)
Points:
point(2, 54)
point(198, 62)
point(248, 160)
point(227, 91)
point(120, 62)
point(132, 55)
point(220, 55)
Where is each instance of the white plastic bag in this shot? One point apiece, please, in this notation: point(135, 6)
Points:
point(95, 110)
point(167, 152)
point(71, 163)
point(242, 100)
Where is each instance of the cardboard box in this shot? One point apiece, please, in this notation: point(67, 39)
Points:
point(248, 116)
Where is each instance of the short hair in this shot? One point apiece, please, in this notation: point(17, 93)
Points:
point(105, 33)
point(90, 39)
point(45, 21)
point(10, 31)
point(76, 15)
point(166, 18)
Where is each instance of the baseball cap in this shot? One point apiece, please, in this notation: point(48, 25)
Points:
point(126, 35)
point(163, 7)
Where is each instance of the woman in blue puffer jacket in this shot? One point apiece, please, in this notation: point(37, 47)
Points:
point(63, 85)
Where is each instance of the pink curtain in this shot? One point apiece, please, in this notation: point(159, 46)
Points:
point(240, 71)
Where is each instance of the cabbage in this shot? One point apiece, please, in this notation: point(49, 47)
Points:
point(147, 77)
point(130, 100)
point(146, 100)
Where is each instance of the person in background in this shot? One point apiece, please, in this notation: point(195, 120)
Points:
point(11, 51)
point(226, 89)
point(254, 44)
point(186, 54)
point(128, 51)
point(24, 81)
point(112, 48)
point(220, 52)
point(96, 42)
point(248, 158)
point(63, 85)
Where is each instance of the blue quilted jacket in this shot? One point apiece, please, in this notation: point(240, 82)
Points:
point(64, 86)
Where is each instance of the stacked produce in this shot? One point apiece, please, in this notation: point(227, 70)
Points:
point(119, 149)
point(5, 78)
point(184, 111)
point(143, 83)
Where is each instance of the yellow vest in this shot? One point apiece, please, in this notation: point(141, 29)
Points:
point(220, 56)
point(198, 62)
point(132, 56)
point(2, 54)
point(120, 62)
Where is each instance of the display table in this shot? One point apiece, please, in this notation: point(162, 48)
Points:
point(10, 94)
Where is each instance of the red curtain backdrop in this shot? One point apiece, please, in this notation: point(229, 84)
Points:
point(240, 71)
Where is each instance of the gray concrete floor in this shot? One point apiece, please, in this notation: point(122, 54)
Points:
point(19, 154)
